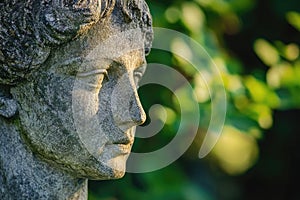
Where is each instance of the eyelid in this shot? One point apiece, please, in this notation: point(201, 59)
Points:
point(139, 74)
point(141, 70)
point(93, 72)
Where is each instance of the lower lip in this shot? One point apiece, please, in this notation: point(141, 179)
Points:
point(119, 148)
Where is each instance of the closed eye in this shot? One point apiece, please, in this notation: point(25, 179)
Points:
point(91, 73)
point(91, 80)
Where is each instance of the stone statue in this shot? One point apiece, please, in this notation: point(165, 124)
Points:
point(69, 71)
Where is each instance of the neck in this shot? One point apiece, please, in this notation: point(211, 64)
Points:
point(23, 175)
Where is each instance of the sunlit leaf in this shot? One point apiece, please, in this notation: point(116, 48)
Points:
point(294, 19)
point(233, 83)
point(261, 113)
point(192, 17)
point(292, 51)
point(201, 89)
point(266, 52)
point(282, 75)
point(235, 151)
point(261, 93)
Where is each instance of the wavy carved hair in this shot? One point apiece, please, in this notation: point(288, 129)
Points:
point(30, 29)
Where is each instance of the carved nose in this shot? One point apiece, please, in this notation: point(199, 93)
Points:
point(125, 103)
point(137, 112)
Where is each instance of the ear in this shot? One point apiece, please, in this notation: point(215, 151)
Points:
point(8, 107)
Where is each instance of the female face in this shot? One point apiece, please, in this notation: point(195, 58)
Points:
point(80, 110)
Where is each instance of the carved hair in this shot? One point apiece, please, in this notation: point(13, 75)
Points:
point(30, 29)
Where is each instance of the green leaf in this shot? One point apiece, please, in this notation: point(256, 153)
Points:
point(266, 52)
point(294, 19)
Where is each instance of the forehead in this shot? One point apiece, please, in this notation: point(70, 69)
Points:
point(119, 43)
point(105, 40)
point(102, 44)
point(110, 38)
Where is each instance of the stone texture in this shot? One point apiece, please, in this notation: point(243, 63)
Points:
point(69, 72)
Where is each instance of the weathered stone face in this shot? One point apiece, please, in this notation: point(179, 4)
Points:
point(80, 109)
point(69, 72)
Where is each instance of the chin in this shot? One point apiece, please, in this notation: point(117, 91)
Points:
point(117, 166)
point(113, 168)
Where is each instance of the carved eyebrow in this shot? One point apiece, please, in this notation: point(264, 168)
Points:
point(93, 72)
point(92, 67)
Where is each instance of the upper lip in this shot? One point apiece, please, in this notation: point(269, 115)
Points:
point(124, 137)
point(123, 134)
point(122, 140)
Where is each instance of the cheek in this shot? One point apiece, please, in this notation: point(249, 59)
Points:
point(85, 106)
point(49, 118)
point(46, 117)
point(61, 124)
point(57, 93)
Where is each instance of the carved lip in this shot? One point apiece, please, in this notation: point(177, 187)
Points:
point(125, 141)
point(120, 148)
point(121, 145)
point(124, 138)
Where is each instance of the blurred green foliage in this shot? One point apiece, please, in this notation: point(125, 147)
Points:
point(255, 45)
